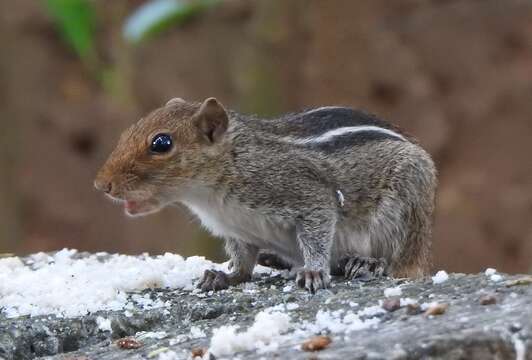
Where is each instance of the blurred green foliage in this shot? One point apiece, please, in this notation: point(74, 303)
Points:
point(156, 16)
point(76, 21)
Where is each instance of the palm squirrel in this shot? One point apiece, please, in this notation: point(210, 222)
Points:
point(330, 191)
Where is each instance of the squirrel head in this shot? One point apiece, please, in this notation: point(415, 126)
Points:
point(159, 156)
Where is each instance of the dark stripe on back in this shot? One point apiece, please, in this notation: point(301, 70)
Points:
point(318, 122)
point(339, 143)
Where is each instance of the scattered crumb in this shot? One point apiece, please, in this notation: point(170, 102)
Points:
point(488, 300)
point(164, 354)
point(128, 343)
point(198, 352)
point(196, 332)
point(316, 343)
point(440, 277)
point(490, 271)
point(391, 304)
point(292, 306)
point(413, 309)
point(395, 291)
point(519, 346)
point(288, 288)
point(261, 335)
point(496, 277)
point(141, 335)
point(67, 286)
point(407, 301)
point(436, 309)
point(104, 324)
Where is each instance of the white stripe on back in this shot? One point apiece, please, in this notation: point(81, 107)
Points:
point(331, 134)
point(324, 108)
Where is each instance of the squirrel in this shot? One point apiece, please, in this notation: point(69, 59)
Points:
point(328, 191)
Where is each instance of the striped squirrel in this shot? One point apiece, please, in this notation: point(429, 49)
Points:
point(330, 191)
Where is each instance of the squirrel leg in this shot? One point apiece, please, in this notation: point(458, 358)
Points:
point(315, 236)
point(243, 259)
point(363, 268)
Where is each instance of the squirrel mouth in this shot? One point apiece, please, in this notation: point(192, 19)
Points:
point(141, 207)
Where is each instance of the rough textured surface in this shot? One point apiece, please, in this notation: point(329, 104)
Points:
point(467, 329)
point(456, 74)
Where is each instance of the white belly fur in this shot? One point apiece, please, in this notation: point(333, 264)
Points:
point(236, 222)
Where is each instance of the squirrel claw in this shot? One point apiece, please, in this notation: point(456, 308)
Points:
point(214, 280)
point(364, 268)
point(312, 280)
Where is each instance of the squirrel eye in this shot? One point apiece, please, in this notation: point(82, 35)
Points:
point(161, 143)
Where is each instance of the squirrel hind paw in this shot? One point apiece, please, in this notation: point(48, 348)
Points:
point(273, 261)
point(363, 268)
point(213, 280)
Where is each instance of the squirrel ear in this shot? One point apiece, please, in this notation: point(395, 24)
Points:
point(211, 120)
point(175, 100)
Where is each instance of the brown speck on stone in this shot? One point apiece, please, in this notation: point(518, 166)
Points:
point(316, 343)
point(413, 309)
point(128, 343)
point(197, 352)
point(488, 300)
point(391, 305)
point(437, 309)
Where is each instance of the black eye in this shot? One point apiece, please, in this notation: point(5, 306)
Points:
point(161, 143)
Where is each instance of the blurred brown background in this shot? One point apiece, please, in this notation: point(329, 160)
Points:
point(456, 74)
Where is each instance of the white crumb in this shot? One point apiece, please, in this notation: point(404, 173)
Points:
point(496, 277)
point(292, 306)
point(288, 288)
point(520, 348)
point(341, 198)
point(440, 277)
point(343, 322)
point(407, 301)
point(66, 286)
point(197, 333)
point(394, 291)
point(168, 355)
point(262, 335)
point(353, 304)
point(104, 324)
point(371, 311)
point(490, 271)
point(428, 305)
point(151, 335)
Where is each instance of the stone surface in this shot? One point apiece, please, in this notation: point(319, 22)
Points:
point(456, 74)
point(466, 330)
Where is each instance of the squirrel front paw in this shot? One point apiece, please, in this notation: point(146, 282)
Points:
point(312, 280)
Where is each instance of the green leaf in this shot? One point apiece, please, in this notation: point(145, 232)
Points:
point(158, 15)
point(76, 22)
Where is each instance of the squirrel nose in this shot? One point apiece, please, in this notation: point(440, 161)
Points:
point(102, 185)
